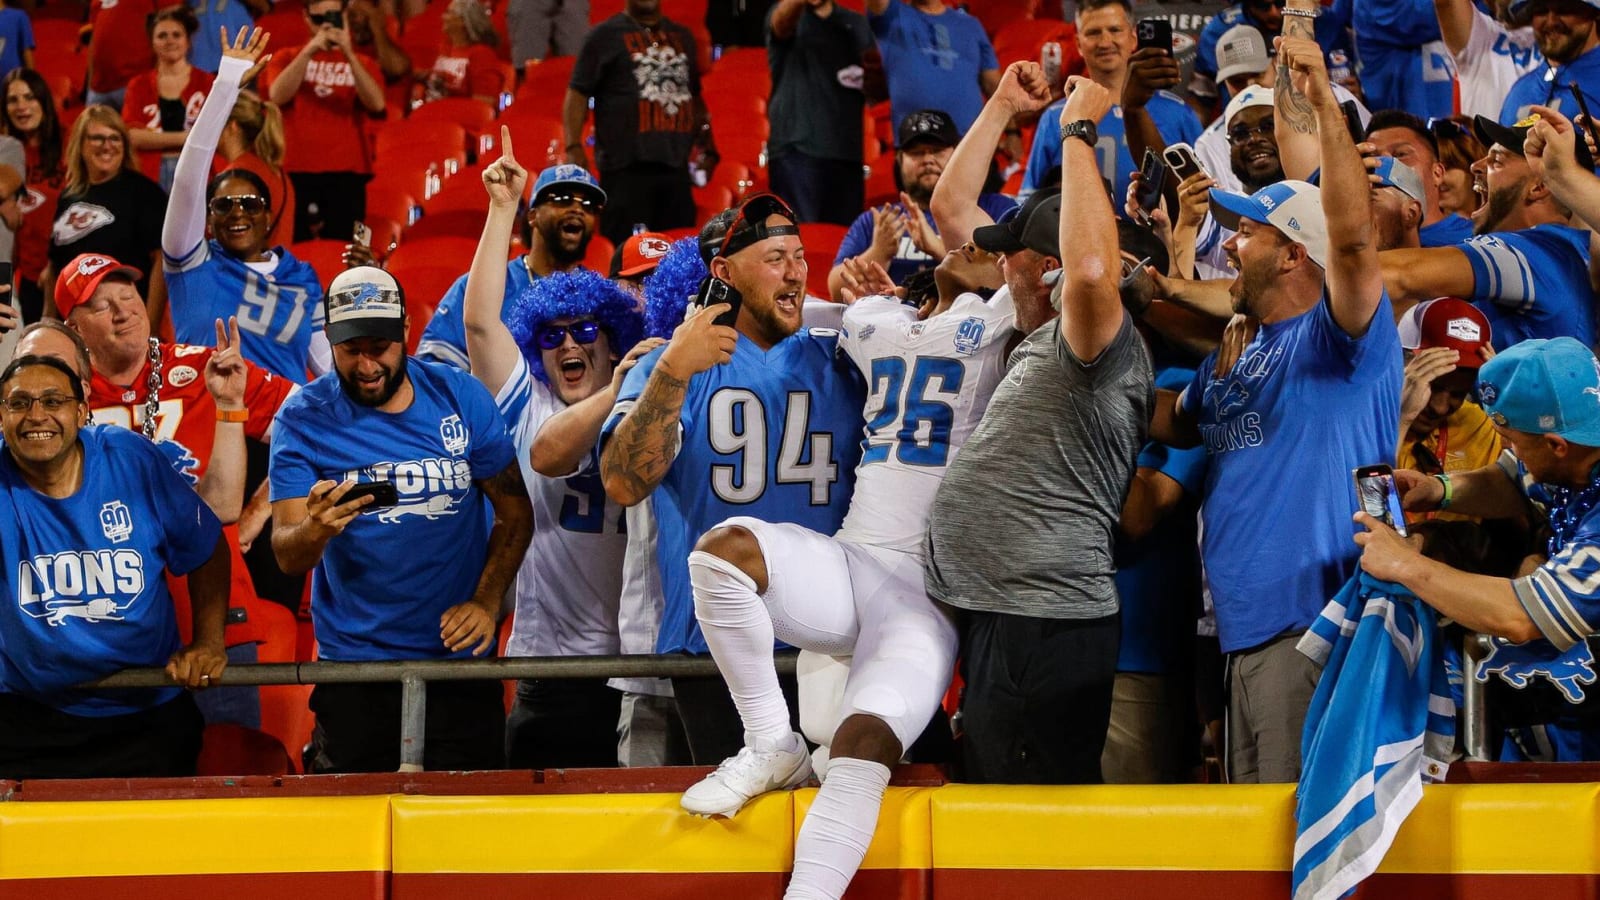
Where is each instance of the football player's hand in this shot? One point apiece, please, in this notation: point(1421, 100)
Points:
point(699, 343)
point(467, 625)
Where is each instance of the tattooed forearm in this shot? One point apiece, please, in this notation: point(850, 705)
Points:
point(1293, 109)
point(646, 441)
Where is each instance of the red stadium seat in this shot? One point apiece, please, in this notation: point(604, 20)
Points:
point(997, 14)
point(425, 284)
point(385, 232)
point(400, 140)
point(822, 240)
point(229, 749)
point(387, 200)
point(474, 116)
point(598, 256)
point(537, 138)
point(544, 84)
point(1025, 38)
point(880, 181)
point(687, 12)
point(325, 256)
point(601, 10)
point(711, 199)
point(453, 251)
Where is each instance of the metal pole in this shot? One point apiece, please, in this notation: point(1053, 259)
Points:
point(413, 721)
point(1474, 710)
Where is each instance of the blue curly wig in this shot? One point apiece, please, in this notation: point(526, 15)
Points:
point(579, 293)
point(668, 289)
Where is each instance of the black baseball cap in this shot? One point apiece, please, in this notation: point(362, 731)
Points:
point(927, 126)
point(1035, 225)
point(740, 226)
point(1510, 137)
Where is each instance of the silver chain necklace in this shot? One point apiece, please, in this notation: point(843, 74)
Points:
point(152, 402)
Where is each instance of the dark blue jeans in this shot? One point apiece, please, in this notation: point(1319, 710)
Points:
point(819, 190)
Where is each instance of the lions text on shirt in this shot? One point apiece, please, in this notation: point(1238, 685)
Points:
point(1303, 406)
point(928, 383)
point(278, 311)
point(1533, 283)
point(1491, 62)
point(383, 583)
point(83, 574)
point(571, 577)
point(770, 434)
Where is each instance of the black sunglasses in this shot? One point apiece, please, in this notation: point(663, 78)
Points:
point(252, 204)
point(1240, 134)
point(550, 337)
point(569, 199)
point(1446, 129)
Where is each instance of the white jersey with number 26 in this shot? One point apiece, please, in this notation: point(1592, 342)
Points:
point(928, 383)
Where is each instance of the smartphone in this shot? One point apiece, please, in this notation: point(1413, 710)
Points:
point(5, 275)
point(1152, 179)
point(714, 291)
point(361, 234)
point(1155, 33)
point(1584, 157)
point(1379, 499)
point(1352, 121)
point(1181, 159)
point(383, 493)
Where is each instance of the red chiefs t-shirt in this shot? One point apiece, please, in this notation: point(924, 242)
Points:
point(277, 182)
point(470, 71)
point(141, 108)
point(32, 250)
point(120, 47)
point(187, 417)
point(323, 120)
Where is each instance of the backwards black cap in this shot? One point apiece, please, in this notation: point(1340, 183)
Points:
point(738, 227)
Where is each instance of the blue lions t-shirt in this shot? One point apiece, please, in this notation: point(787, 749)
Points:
point(278, 312)
point(908, 259)
point(1305, 405)
point(1404, 61)
point(1447, 232)
point(932, 62)
point(1552, 86)
point(85, 574)
point(775, 435)
point(1173, 118)
point(383, 584)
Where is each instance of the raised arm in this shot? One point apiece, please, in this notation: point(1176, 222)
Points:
point(1423, 273)
point(1551, 151)
point(645, 442)
point(490, 347)
point(1355, 282)
point(185, 225)
point(1294, 119)
point(566, 439)
point(222, 486)
point(1455, 22)
point(955, 209)
point(785, 18)
point(1091, 263)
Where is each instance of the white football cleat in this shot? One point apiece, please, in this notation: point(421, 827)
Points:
point(748, 775)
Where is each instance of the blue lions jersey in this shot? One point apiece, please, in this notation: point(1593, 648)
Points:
point(1533, 283)
point(1307, 403)
point(775, 435)
point(1173, 118)
point(85, 575)
point(383, 584)
point(1447, 232)
point(1404, 62)
point(445, 338)
point(278, 312)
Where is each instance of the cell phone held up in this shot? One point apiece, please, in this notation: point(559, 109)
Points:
point(1155, 33)
point(383, 494)
point(1375, 489)
point(1152, 180)
point(1181, 159)
point(714, 291)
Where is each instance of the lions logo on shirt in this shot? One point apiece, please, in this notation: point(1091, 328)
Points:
point(454, 435)
point(969, 336)
point(116, 522)
point(92, 585)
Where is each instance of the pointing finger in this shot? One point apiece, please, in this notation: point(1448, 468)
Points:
point(505, 144)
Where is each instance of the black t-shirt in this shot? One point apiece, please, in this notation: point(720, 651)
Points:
point(120, 218)
point(644, 85)
point(816, 85)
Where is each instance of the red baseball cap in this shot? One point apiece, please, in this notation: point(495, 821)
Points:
point(77, 282)
point(1448, 322)
point(641, 253)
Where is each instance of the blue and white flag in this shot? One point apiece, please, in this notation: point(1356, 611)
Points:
point(1381, 723)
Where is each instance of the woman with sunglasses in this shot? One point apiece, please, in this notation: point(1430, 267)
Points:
point(91, 520)
point(29, 115)
point(275, 296)
point(107, 206)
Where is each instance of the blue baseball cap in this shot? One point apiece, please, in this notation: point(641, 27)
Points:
point(1393, 173)
point(1292, 207)
point(569, 176)
point(1544, 387)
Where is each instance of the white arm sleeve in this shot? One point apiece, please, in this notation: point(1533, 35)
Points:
point(185, 225)
point(320, 355)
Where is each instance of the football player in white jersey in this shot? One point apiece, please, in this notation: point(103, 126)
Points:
point(859, 593)
point(566, 351)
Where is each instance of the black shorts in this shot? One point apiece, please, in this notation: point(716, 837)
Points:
point(39, 741)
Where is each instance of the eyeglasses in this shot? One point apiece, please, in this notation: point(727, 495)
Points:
point(1240, 134)
point(252, 204)
point(104, 139)
point(569, 199)
point(584, 332)
point(20, 404)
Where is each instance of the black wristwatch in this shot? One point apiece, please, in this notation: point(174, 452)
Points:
point(1083, 129)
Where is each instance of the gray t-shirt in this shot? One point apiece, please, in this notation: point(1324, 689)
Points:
point(1025, 519)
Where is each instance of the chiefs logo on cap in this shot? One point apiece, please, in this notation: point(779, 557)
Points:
point(88, 265)
point(653, 248)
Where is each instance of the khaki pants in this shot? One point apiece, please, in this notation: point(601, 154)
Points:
point(1269, 690)
point(1145, 743)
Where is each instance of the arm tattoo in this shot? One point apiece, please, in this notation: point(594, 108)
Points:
point(646, 441)
point(1293, 108)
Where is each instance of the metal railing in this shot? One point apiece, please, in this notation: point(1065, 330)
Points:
point(414, 675)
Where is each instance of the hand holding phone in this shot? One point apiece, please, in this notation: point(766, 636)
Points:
point(1352, 121)
point(1375, 489)
point(1589, 132)
point(1152, 180)
point(383, 494)
point(715, 290)
point(1155, 33)
point(1181, 159)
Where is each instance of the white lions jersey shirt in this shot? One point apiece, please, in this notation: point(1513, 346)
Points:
point(928, 384)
